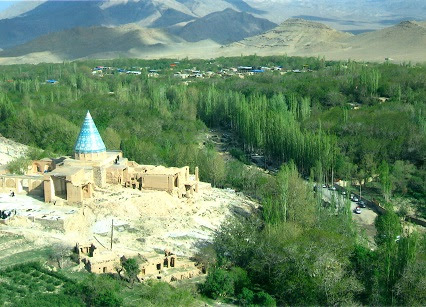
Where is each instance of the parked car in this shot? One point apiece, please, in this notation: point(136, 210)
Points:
point(361, 203)
point(355, 199)
point(344, 193)
point(357, 210)
point(332, 188)
point(324, 185)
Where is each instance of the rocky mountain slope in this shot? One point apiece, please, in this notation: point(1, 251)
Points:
point(291, 36)
point(101, 42)
point(403, 42)
point(54, 16)
point(224, 27)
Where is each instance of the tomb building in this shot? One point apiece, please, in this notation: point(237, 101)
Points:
point(73, 179)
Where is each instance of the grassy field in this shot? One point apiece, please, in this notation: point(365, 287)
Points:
point(15, 249)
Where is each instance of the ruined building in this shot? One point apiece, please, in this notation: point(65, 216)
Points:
point(74, 179)
point(167, 266)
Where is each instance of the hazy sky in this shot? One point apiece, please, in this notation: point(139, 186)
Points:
point(5, 4)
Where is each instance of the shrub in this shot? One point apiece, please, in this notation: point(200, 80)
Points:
point(239, 155)
point(240, 279)
point(50, 288)
point(245, 297)
point(18, 166)
point(264, 299)
point(218, 283)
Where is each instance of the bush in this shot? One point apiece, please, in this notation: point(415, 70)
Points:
point(239, 155)
point(240, 279)
point(218, 283)
point(97, 291)
point(163, 294)
point(18, 166)
point(50, 288)
point(264, 299)
point(246, 297)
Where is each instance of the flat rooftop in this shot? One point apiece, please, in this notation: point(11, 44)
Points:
point(27, 206)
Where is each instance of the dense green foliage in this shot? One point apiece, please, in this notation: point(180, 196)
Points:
point(347, 120)
point(329, 120)
point(31, 284)
point(302, 252)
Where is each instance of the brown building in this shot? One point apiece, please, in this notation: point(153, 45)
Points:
point(73, 179)
point(166, 267)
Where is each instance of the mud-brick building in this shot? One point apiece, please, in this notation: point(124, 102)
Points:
point(74, 179)
point(166, 267)
point(97, 260)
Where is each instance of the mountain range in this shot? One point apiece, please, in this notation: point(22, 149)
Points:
point(56, 30)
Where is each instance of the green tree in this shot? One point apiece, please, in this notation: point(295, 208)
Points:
point(385, 180)
point(131, 269)
point(219, 283)
point(19, 166)
point(402, 173)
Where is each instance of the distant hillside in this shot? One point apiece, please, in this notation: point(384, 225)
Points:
point(224, 27)
point(97, 41)
point(344, 15)
point(292, 36)
point(26, 21)
point(403, 42)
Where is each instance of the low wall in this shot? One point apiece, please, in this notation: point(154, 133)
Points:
point(51, 224)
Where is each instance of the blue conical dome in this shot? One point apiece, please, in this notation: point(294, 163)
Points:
point(89, 140)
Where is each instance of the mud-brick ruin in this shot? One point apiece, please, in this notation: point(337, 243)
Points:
point(74, 179)
point(167, 266)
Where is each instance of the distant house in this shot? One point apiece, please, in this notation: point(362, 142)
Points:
point(257, 71)
point(52, 81)
point(180, 75)
point(133, 72)
point(245, 68)
point(153, 75)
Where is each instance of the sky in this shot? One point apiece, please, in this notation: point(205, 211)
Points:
point(5, 4)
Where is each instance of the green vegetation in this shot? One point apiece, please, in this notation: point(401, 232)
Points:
point(299, 252)
point(340, 120)
point(359, 122)
point(31, 284)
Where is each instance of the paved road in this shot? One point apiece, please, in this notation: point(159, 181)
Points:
point(365, 220)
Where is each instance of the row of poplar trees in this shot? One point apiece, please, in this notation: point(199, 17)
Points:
point(271, 126)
